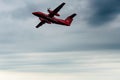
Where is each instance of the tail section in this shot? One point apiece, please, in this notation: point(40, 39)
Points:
point(69, 19)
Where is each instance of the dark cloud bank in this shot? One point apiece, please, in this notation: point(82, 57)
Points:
point(104, 11)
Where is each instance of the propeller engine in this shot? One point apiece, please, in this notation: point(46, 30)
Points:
point(51, 12)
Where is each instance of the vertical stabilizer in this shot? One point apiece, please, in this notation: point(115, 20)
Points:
point(69, 19)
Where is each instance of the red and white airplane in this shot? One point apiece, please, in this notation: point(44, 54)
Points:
point(49, 18)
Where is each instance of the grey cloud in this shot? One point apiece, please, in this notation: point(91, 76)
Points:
point(25, 11)
point(104, 11)
point(18, 34)
point(86, 61)
point(19, 40)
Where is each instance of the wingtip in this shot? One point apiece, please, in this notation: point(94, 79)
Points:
point(64, 3)
point(36, 27)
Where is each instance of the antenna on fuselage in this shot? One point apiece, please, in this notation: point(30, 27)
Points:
point(48, 9)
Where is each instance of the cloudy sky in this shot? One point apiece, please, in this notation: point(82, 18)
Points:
point(87, 50)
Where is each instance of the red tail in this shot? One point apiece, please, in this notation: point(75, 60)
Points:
point(69, 19)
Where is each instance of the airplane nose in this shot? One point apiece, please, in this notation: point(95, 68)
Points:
point(33, 13)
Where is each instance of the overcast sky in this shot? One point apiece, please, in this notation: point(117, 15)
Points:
point(96, 26)
point(90, 45)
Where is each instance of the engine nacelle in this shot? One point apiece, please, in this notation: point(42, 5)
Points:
point(50, 11)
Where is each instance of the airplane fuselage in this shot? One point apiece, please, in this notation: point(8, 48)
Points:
point(50, 17)
point(47, 19)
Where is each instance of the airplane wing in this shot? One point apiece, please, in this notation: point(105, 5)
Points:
point(40, 24)
point(56, 10)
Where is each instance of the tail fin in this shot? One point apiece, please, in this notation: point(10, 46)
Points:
point(69, 19)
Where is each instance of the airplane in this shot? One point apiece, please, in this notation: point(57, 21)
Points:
point(49, 18)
